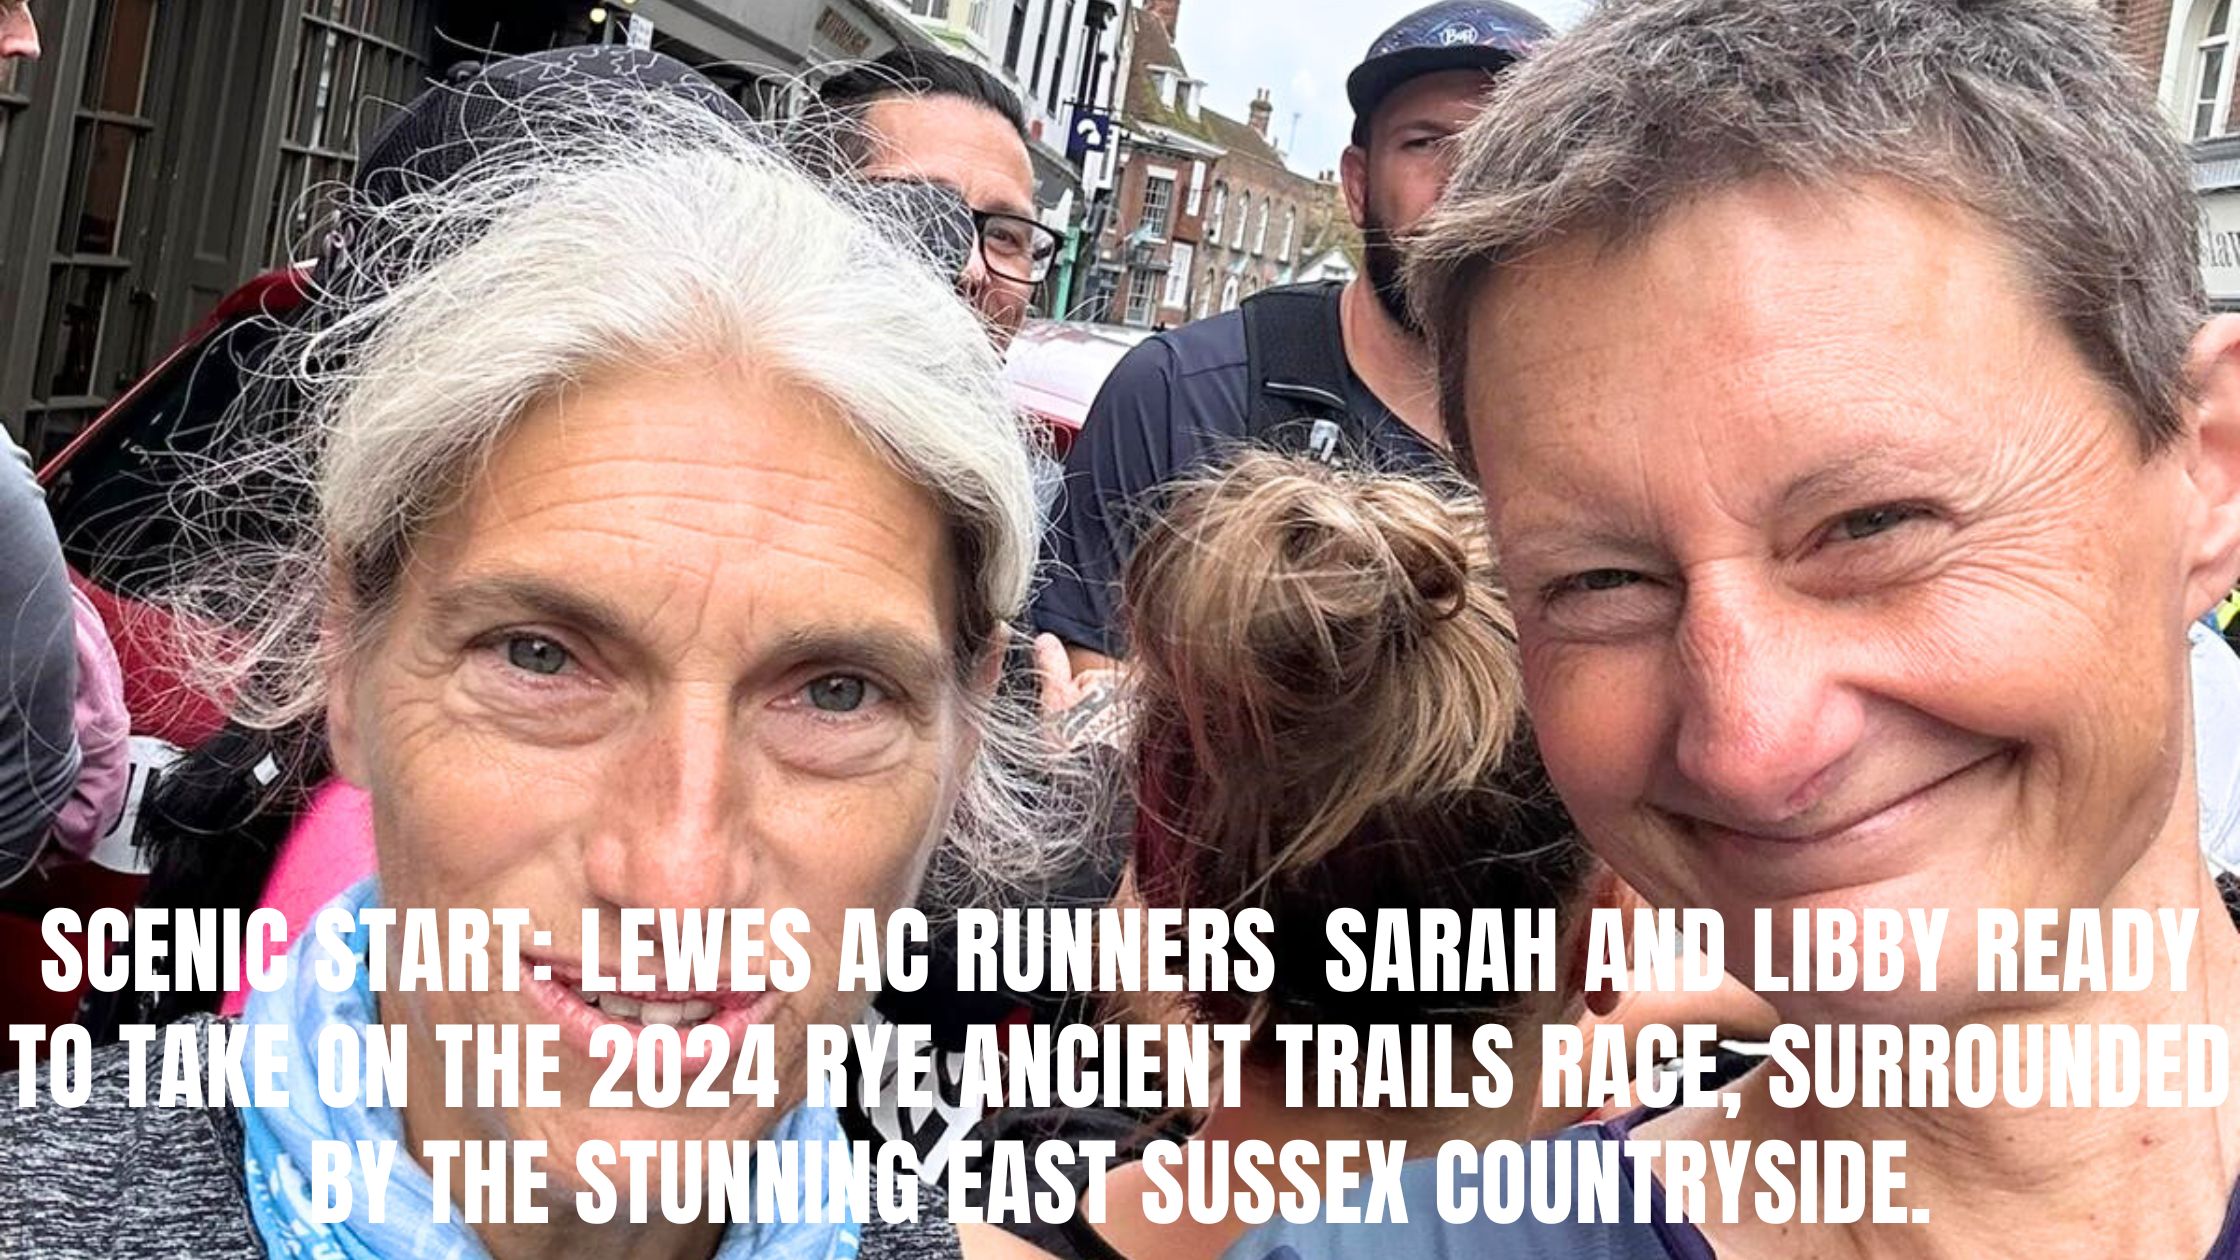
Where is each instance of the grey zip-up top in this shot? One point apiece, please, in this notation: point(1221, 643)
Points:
point(106, 1181)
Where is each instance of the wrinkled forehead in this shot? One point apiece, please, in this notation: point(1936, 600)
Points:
point(1764, 330)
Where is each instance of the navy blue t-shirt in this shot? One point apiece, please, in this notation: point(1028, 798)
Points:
point(1172, 404)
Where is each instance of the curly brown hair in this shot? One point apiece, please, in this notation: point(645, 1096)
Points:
point(1330, 714)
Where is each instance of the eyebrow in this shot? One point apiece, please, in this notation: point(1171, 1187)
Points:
point(1849, 477)
point(507, 592)
point(1599, 548)
point(905, 657)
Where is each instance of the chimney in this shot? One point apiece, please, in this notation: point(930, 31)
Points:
point(1261, 109)
point(1168, 12)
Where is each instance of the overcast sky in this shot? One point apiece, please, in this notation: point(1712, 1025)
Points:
point(1301, 51)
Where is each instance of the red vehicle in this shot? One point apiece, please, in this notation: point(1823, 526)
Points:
point(106, 491)
point(1056, 368)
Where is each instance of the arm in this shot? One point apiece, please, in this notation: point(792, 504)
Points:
point(38, 668)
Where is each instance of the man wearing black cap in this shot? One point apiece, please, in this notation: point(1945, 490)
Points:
point(1336, 370)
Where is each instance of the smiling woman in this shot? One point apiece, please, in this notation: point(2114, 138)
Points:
point(1861, 462)
point(665, 521)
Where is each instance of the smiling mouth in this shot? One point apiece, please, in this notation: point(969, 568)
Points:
point(682, 1013)
point(1838, 832)
point(581, 1014)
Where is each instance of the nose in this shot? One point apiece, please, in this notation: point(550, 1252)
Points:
point(19, 35)
point(670, 829)
point(973, 280)
point(1764, 716)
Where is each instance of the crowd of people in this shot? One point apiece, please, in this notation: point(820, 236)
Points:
point(1776, 456)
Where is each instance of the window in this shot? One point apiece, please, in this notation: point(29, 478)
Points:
point(1178, 277)
point(935, 9)
point(1140, 283)
point(2212, 92)
point(1220, 205)
point(1260, 231)
point(339, 68)
point(1017, 37)
point(1205, 294)
point(14, 95)
point(982, 23)
point(1056, 58)
point(1244, 211)
point(1229, 294)
point(1158, 201)
point(1162, 79)
point(1197, 189)
point(1290, 229)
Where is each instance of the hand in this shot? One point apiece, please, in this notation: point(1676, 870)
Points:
point(1079, 707)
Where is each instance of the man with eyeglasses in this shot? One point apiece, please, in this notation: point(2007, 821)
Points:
point(926, 116)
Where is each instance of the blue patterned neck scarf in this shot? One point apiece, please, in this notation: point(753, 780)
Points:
point(277, 1147)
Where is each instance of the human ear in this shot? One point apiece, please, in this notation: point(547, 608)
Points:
point(343, 711)
point(2213, 464)
point(1603, 891)
point(1353, 179)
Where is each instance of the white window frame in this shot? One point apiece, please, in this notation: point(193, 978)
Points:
point(978, 19)
point(1151, 176)
point(1229, 294)
point(1260, 231)
point(1220, 208)
point(2215, 97)
point(1205, 295)
point(1178, 277)
point(1244, 211)
point(1139, 309)
point(1290, 232)
point(1197, 189)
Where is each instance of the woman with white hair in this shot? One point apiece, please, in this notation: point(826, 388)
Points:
point(665, 525)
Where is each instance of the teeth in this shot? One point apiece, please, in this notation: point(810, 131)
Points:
point(689, 1011)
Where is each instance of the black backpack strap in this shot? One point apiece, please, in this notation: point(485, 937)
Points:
point(1295, 372)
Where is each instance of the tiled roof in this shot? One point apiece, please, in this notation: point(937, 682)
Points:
point(1154, 47)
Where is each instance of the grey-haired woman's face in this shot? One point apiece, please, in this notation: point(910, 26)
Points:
point(686, 645)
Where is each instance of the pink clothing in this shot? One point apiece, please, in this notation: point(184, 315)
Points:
point(329, 849)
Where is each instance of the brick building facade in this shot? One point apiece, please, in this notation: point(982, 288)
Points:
point(2187, 49)
point(1207, 211)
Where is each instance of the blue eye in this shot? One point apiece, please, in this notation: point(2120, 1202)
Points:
point(840, 693)
point(535, 654)
point(1868, 522)
point(1593, 580)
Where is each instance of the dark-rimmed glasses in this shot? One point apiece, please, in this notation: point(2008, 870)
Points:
point(1018, 249)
